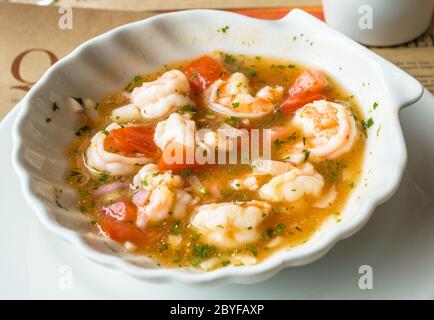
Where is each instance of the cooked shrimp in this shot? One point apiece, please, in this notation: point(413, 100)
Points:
point(293, 185)
point(176, 128)
point(223, 139)
point(308, 87)
point(160, 195)
point(98, 160)
point(230, 224)
point(329, 128)
point(156, 99)
point(149, 177)
point(232, 98)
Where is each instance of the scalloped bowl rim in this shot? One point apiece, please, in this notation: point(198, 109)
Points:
point(245, 274)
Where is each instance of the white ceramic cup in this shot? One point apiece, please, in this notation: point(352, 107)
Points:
point(379, 22)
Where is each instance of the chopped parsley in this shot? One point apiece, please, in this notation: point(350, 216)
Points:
point(187, 173)
point(189, 109)
point(55, 107)
point(223, 29)
point(134, 83)
point(306, 154)
point(369, 123)
point(233, 121)
point(274, 232)
point(331, 170)
point(176, 227)
point(251, 73)
point(230, 59)
point(201, 252)
point(82, 130)
point(103, 177)
point(278, 144)
point(252, 249)
point(235, 104)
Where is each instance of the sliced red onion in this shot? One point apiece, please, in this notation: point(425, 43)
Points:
point(74, 106)
point(126, 94)
point(140, 197)
point(197, 186)
point(107, 188)
point(142, 219)
point(91, 109)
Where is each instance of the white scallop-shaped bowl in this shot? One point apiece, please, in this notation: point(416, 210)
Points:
point(108, 62)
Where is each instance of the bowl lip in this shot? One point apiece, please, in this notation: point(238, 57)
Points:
point(245, 274)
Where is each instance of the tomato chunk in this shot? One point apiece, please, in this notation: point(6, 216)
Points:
point(307, 87)
point(122, 232)
point(202, 72)
point(171, 161)
point(118, 222)
point(132, 142)
point(281, 133)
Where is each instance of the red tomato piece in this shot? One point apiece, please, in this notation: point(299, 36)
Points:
point(132, 142)
point(169, 153)
point(307, 88)
point(280, 133)
point(118, 222)
point(202, 72)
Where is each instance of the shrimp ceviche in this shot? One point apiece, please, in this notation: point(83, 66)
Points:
point(216, 204)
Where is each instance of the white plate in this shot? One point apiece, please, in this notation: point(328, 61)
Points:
point(397, 243)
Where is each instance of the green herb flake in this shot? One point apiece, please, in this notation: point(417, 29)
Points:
point(306, 154)
point(251, 73)
point(176, 227)
point(55, 107)
point(103, 177)
point(134, 83)
point(252, 249)
point(233, 121)
point(230, 59)
point(164, 247)
point(223, 29)
point(368, 124)
point(187, 173)
point(82, 130)
point(202, 251)
point(278, 144)
point(189, 109)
